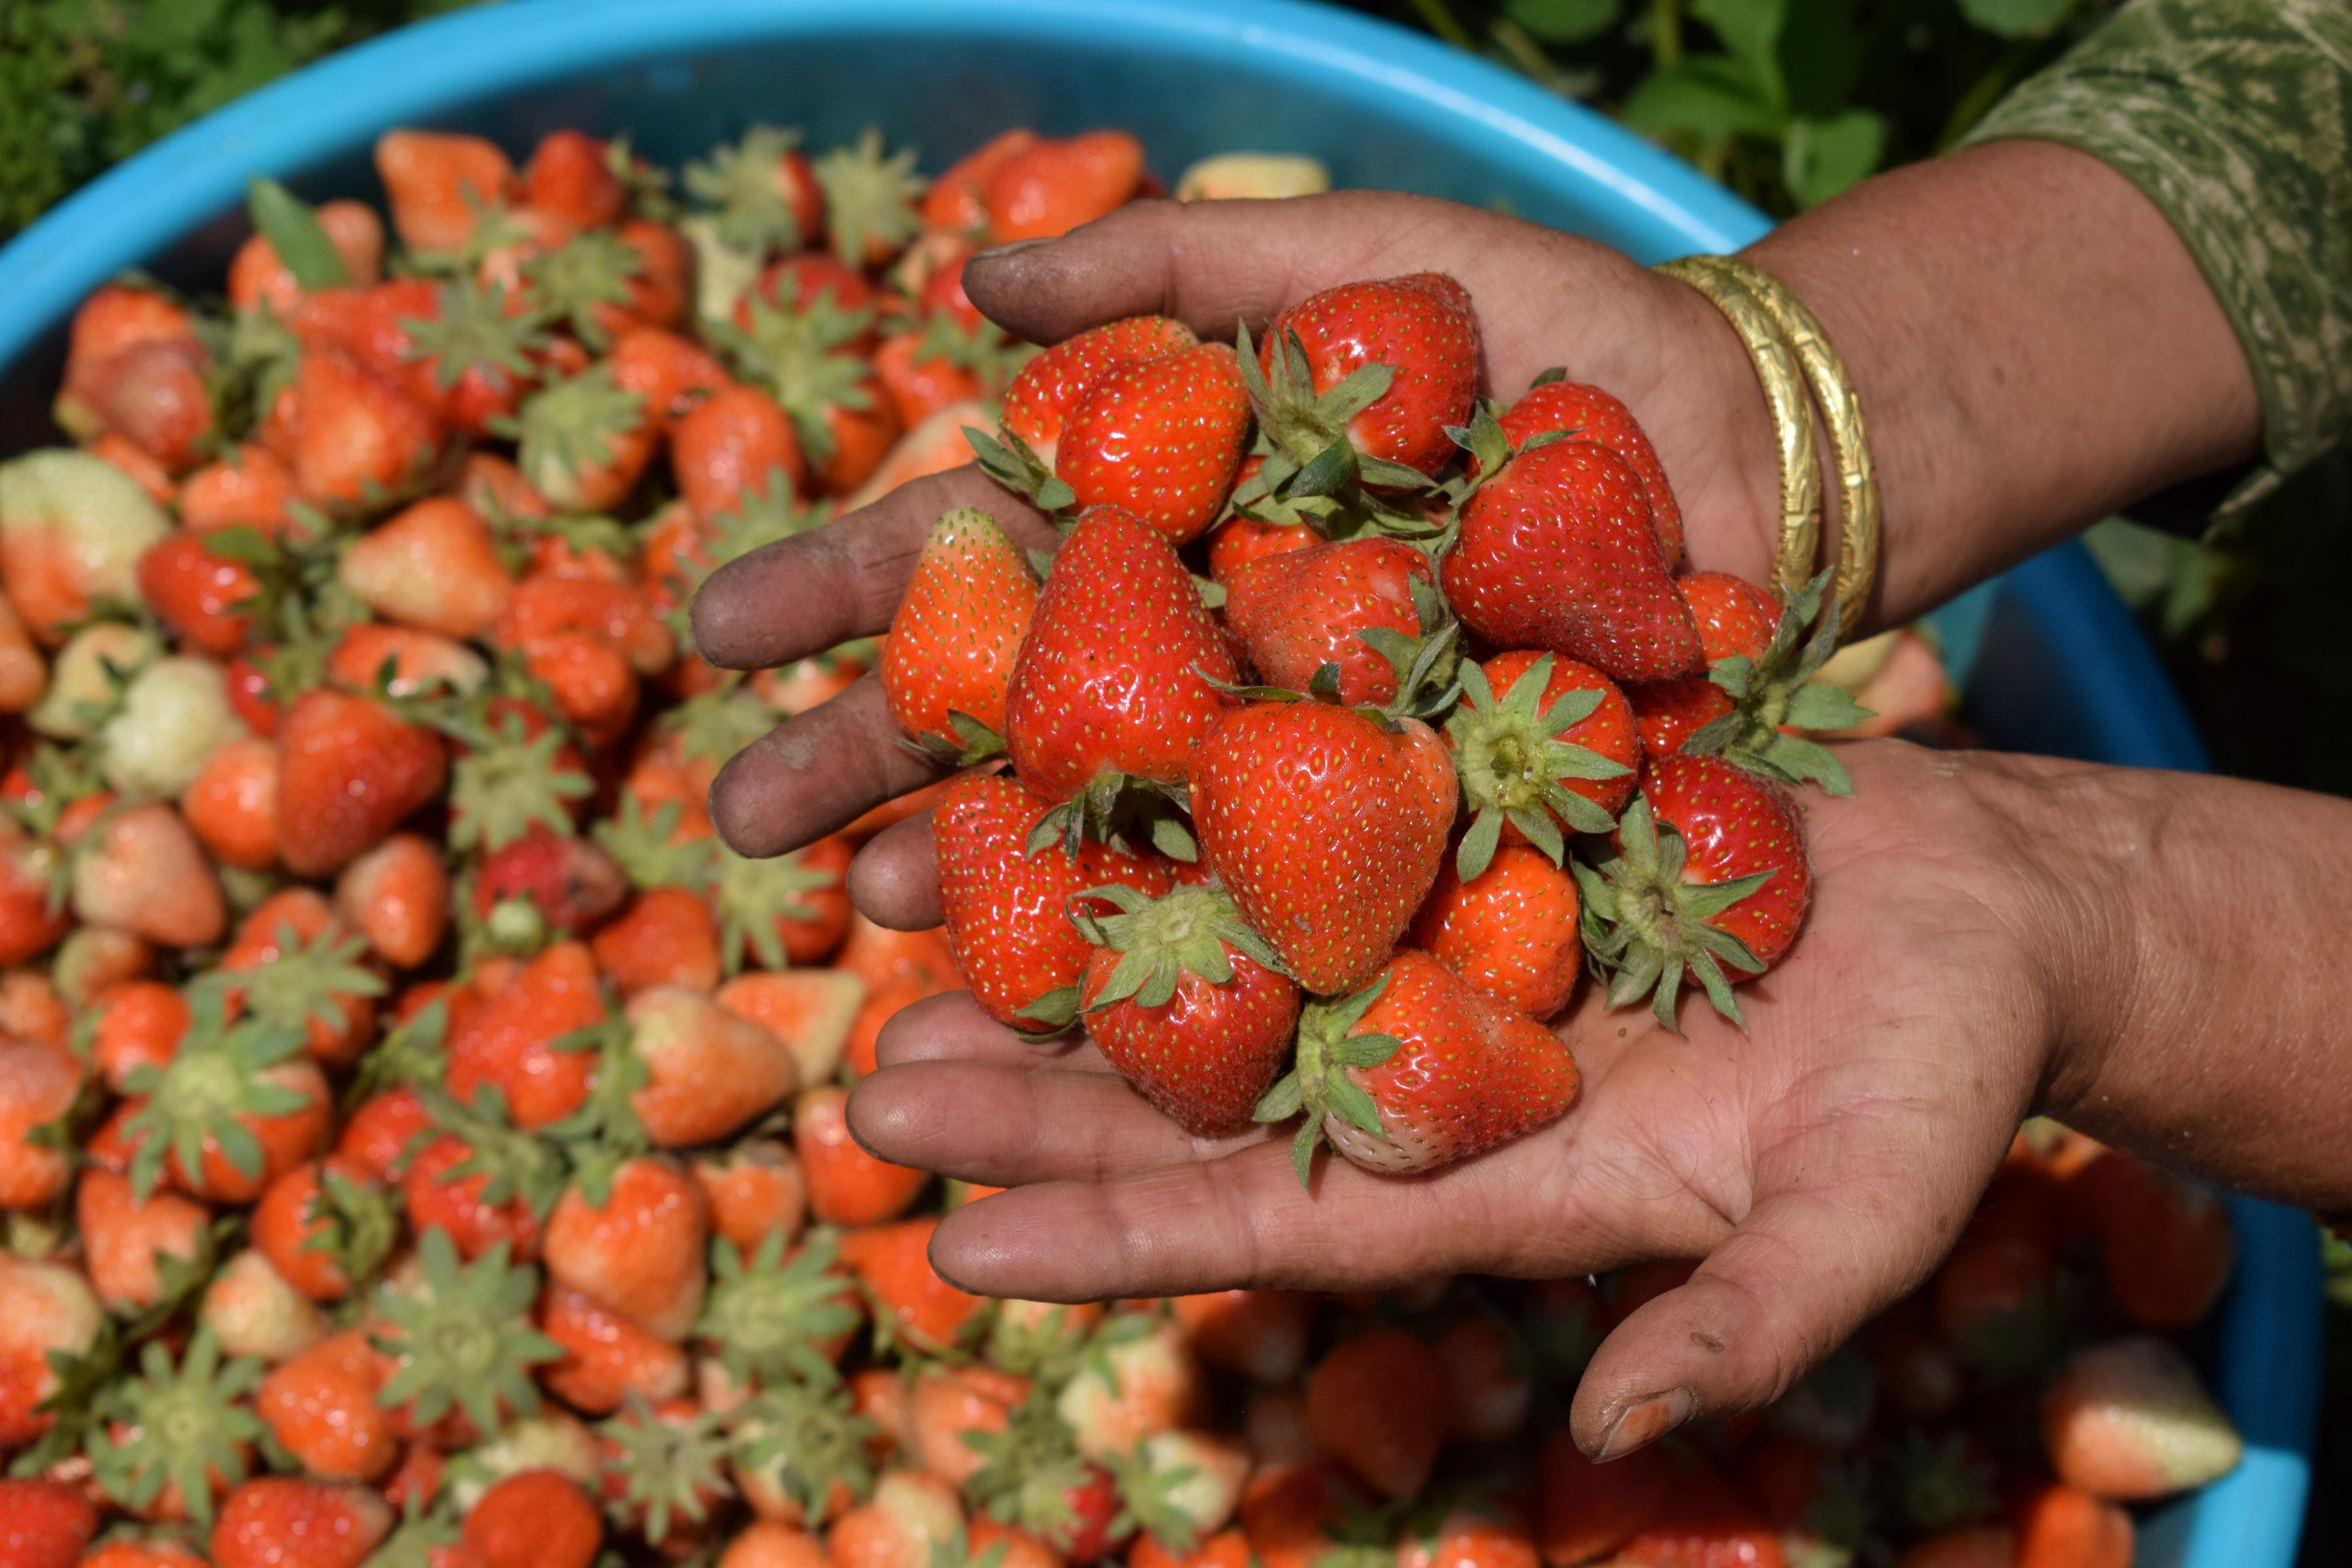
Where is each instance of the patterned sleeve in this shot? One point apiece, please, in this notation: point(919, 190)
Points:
point(2235, 118)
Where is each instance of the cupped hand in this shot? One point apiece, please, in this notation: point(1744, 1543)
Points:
point(1820, 1164)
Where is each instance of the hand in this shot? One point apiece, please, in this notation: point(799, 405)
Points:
point(1543, 298)
point(1821, 1164)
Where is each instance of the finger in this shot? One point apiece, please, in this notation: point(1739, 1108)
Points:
point(1241, 1220)
point(1008, 1123)
point(953, 1026)
point(1804, 1269)
point(1213, 265)
point(816, 773)
point(895, 881)
point(801, 595)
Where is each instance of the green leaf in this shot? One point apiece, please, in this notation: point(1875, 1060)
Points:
point(1752, 30)
point(1563, 21)
point(2018, 18)
point(295, 233)
point(1819, 158)
point(1713, 98)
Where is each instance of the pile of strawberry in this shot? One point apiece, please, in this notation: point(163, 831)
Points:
point(422, 1142)
point(1300, 837)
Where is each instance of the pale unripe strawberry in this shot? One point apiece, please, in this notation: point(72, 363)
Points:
point(251, 1308)
point(92, 958)
point(708, 1071)
point(433, 567)
point(175, 714)
point(1141, 1386)
point(1228, 176)
point(84, 678)
point(72, 528)
point(552, 1440)
point(1197, 1475)
point(2128, 1420)
point(640, 1251)
point(910, 1512)
point(811, 1010)
point(24, 674)
point(146, 874)
point(44, 1307)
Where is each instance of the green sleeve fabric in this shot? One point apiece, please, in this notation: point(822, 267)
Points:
point(2235, 118)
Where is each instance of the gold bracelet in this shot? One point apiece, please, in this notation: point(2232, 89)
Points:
point(1833, 389)
point(1792, 419)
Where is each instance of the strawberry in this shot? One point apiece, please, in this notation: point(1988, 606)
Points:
point(1386, 365)
point(1046, 187)
point(922, 378)
point(1005, 908)
point(24, 674)
point(640, 1250)
point(546, 882)
point(1352, 605)
point(912, 1516)
point(1378, 1403)
point(72, 530)
point(1773, 691)
point(665, 937)
point(532, 1518)
point(1485, 1367)
point(1557, 550)
point(765, 190)
point(1160, 439)
point(1261, 1333)
point(870, 212)
point(1182, 1485)
point(350, 436)
point(197, 594)
point(123, 1238)
point(142, 871)
point(957, 201)
point(1727, 887)
point(232, 807)
point(1589, 414)
point(585, 440)
point(766, 1543)
point(1145, 1382)
point(1470, 1537)
point(510, 1041)
point(256, 273)
point(2166, 1243)
point(1331, 862)
point(606, 1356)
point(323, 1226)
point(397, 896)
point(1969, 1546)
point(1667, 713)
point(377, 1136)
point(249, 487)
point(949, 1405)
point(46, 1310)
point(1556, 751)
point(92, 958)
point(305, 977)
point(1289, 1512)
point(321, 1407)
point(1050, 388)
point(572, 176)
point(1702, 1521)
point(806, 351)
point(1995, 1296)
point(1735, 618)
point(949, 656)
point(439, 184)
point(706, 1071)
point(1239, 541)
point(2058, 1526)
point(160, 1551)
point(809, 1010)
point(1419, 1069)
point(434, 566)
point(2127, 1420)
point(911, 1301)
point(151, 395)
point(120, 451)
point(1511, 931)
point(140, 1021)
point(733, 445)
point(896, 969)
point(39, 1086)
point(754, 1188)
point(846, 1186)
point(348, 770)
point(43, 1524)
point(1188, 1002)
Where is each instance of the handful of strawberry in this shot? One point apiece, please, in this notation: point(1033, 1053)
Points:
point(1328, 832)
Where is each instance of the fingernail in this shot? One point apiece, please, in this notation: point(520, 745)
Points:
point(1645, 1420)
point(998, 252)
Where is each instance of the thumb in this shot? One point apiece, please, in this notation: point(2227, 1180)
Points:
point(1792, 1283)
point(1213, 265)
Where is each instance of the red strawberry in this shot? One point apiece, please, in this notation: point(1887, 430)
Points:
point(532, 1518)
point(1556, 750)
point(1048, 187)
point(197, 594)
point(348, 770)
point(543, 882)
point(639, 1250)
point(46, 1308)
point(1380, 1402)
point(572, 176)
point(1557, 550)
point(1729, 890)
point(1188, 1002)
point(606, 1356)
point(43, 1524)
point(1511, 931)
point(433, 566)
point(912, 1301)
point(1419, 1069)
point(439, 184)
point(1161, 440)
point(1326, 829)
point(1666, 713)
point(277, 1521)
point(38, 1088)
point(957, 201)
point(2166, 1242)
point(1051, 387)
point(1239, 541)
point(1590, 415)
point(953, 642)
point(1420, 326)
point(727, 448)
point(1113, 680)
point(1702, 1521)
point(1735, 618)
point(1298, 610)
point(1006, 910)
point(508, 1039)
point(349, 435)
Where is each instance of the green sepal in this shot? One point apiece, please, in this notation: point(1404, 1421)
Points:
point(666, 1466)
point(770, 1318)
point(641, 845)
point(357, 1226)
point(591, 268)
point(749, 896)
point(295, 233)
point(424, 1535)
point(803, 357)
point(743, 182)
point(1160, 940)
point(1647, 928)
point(1050, 1014)
point(462, 1336)
point(1006, 458)
point(869, 198)
point(303, 984)
point(414, 1051)
point(1778, 689)
point(471, 328)
point(569, 425)
point(806, 1438)
point(716, 724)
point(1115, 809)
point(604, 1133)
point(1145, 1500)
point(187, 1424)
point(973, 741)
point(209, 1083)
point(1318, 1082)
point(513, 1164)
point(1510, 760)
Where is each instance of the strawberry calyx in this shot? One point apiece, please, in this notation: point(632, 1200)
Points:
point(569, 283)
point(971, 743)
point(1490, 449)
point(1149, 1496)
point(1120, 809)
point(513, 1164)
point(1509, 757)
point(570, 426)
point(1939, 1483)
point(249, 360)
point(1008, 460)
point(308, 982)
point(750, 896)
point(869, 198)
point(211, 1082)
point(646, 850)
point(1319, 1084)
point(358, 1225)
point(1029, 1469)
point(184, 1425)
point(1161, 940)
point(954, 1551)
point(471, 328)
point(461, 1336)
point(717, 724)
point(425, 1535)
point(984, 350)
point(745, 183)
point(666, 1466)
point(802, 1439)
point(604, 1133)
point(1303, 435)
point(1650, 928)
point(1779, 690)
point(506, 781)
point(772, 1319)
point(800, 355)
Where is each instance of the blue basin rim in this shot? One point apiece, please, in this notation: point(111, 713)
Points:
point(2060, 666)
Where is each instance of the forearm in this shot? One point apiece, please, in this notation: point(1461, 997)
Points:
point(2192, 927)
point(2033, 348)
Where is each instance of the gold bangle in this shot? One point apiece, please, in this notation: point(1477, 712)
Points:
point(1833, 389)
point(1792, 419)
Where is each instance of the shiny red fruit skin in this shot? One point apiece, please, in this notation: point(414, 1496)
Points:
point(1594, 416)
point(1206, 1055)
point(1736, 825)
point(1420, 326)
point(1735, 618)
point(1161, 438)
point(1666, 713)
point(1295, 611)
point(1511, 931)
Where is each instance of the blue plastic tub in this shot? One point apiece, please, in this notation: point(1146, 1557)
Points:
point(2051, 660)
